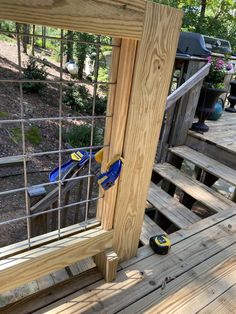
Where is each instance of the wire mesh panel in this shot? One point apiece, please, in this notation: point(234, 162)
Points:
point(53, 99)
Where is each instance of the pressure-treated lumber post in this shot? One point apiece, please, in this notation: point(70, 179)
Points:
point(153, 69)
point(115, 138)
point(107, 262)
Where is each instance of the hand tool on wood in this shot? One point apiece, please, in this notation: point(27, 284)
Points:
point(160, 244)
point(80, 158)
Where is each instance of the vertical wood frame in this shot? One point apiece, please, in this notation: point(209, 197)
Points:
point(153, 70)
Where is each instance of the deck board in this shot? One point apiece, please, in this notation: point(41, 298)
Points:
point(194, 290)
point(206, 163)
point(177, 213)
point(196, 189)
point(221, 132)
point(142, 278)
point(225, 303)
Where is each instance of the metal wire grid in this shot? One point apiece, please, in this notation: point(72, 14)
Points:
point(26, 156)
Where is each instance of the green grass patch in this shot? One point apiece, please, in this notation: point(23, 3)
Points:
point(33, 135)
point(16, 135)
point(7, 38)
point(3, 114)
point(79, 136)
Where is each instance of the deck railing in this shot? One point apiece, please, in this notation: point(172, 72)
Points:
point(181, 106)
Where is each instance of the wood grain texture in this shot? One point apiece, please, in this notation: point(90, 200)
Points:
point(150, 274)
point(107, 263)
point(117, 129)
point(33, 264)
point(177, 213)
point(153, 70)
point(209, 164)
point(224, 304)
point(106, 17)
point(20, 247)
point(195, 289)
point(187, 86)
point(149, 229)
point(109, 112)
point(196, 189)
point(211, 149)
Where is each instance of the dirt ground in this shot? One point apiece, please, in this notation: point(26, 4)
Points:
point(42, 105)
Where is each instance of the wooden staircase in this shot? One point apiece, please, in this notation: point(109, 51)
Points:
point(174, 191)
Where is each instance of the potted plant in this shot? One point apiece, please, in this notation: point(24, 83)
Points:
point(213, 87)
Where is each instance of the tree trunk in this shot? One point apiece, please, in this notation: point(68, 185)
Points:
point(24, 38)
point(44, 38)
point(69, 48)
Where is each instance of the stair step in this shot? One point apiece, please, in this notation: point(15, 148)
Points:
point(196, 189)
point(149, 229)
point(206, 163)
point(176, 212)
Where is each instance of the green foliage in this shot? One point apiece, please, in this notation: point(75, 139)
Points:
point(16, 135)
point(33, 135)
point(82, 50)
point(3, 114)
point(34, 71)
point(79, 99)
point(214, 18)
point(80, 136)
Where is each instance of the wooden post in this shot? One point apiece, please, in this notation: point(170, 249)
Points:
point(186, 109)
point(107, 263)
point(117, 130)
point(153, 70)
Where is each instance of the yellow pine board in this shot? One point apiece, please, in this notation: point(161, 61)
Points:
point(49, 258)
point(152, 75)
point(106, 17)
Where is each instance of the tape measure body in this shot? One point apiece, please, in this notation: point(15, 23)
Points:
point(160, 244)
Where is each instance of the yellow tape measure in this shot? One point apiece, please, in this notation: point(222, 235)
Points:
point(160, 244)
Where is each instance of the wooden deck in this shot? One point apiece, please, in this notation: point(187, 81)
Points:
point(221, 132)
point(199, 273)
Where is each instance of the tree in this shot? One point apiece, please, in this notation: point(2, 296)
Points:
point(69, 46)
point(82, 50)
point(216, 18)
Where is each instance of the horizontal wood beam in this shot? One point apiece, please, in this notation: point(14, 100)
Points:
point(121, 18)
point(187, 86)
point(28, 266)
point(46, 238)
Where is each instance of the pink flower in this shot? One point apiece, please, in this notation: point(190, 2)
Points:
point(209, 59)
point(229, 66)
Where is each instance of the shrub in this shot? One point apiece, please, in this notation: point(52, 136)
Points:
point(79, 136)
point(79, 99)
point(34, 71)
point(33, 135)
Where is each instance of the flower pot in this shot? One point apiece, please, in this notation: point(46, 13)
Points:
point(205, 107)
point(232, 97)
point(218, 110)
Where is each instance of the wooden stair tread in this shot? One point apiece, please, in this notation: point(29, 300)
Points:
point(149, 229)
point(210, 165)
point(196, 189)
point(176, 212)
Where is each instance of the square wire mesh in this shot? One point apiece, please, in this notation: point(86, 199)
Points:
point(67, 198)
